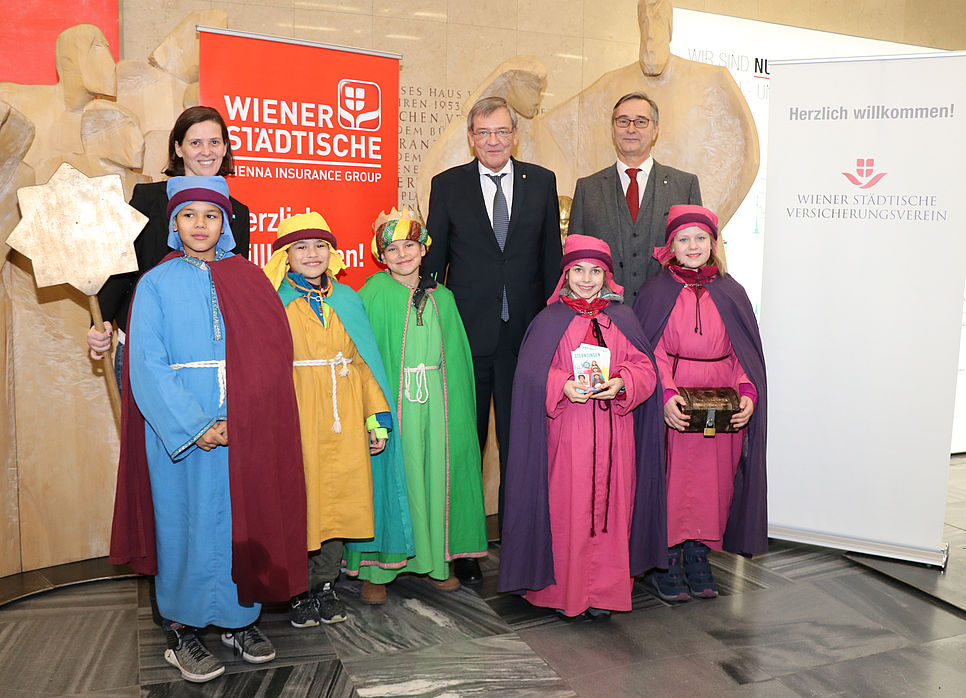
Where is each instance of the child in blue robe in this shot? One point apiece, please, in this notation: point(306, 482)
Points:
point(228, 519)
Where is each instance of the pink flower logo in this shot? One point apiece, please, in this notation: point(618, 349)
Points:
point(864, 177)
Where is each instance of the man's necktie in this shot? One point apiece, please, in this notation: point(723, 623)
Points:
point(633, 197)
point(501, 224)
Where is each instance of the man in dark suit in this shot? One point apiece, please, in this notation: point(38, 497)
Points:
point(626, 204)
point(496, 241)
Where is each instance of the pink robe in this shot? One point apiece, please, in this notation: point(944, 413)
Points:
point(700, 470)
point(592, 571)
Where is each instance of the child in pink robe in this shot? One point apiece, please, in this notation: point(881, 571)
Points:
point(694, 351)
point(590, 438)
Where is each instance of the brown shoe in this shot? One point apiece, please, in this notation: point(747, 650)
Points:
point(372, 594)
point(450, 584)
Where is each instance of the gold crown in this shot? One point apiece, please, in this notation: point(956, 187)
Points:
point(406, 214)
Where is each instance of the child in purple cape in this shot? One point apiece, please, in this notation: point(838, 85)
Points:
point(580, 518)
point(705, 334)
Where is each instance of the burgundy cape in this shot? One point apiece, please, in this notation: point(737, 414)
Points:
point(267, 481)
point(747, 529)
point(526, 557)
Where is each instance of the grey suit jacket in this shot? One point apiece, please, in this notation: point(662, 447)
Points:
point(600, 209)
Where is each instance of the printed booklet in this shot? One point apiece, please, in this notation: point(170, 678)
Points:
point(591, 366)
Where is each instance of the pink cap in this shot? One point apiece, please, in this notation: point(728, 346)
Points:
point(686, 216)
point(585, 248)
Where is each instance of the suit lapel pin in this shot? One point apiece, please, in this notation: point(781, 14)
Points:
point(523, 176)
point(665, 180)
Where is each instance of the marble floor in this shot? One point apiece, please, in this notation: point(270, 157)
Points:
point(798, 621)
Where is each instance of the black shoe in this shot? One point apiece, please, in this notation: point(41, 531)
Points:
point(467, 570)
point(304, 611)
point(697, 570)
point(329, 605)
point(671, 585)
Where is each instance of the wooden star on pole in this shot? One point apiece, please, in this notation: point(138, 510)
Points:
point(77, 230)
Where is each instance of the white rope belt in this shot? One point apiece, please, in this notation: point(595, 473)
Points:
point(422, 390)
point(220, 365)
point(344, 371)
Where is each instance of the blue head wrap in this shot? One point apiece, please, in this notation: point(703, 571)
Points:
point(213, 190)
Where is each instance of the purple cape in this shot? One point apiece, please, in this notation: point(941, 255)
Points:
point(747, 529)
point(526, 558)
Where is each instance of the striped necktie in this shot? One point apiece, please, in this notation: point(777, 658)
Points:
point(501, 224)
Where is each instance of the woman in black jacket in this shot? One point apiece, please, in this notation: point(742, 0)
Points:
point(198, 145)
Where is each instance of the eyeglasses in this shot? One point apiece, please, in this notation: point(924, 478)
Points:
point(482, 134)
point(625, 121)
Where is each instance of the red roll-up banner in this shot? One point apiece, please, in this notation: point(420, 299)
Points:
point(313, 128)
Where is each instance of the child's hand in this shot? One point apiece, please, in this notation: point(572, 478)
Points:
point(376, 445)
point(572, 391)
point(608, 390)
point(217, 435)
point(746, 406)
point(98, 341)
point(673, 416)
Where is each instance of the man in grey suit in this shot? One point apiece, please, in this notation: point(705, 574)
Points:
point(626, 204)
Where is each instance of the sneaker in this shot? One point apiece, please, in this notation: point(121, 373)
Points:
point(303, 611)
point(187, 653)
point(329, 605)
point(253, 646)
point(697, 570)
point(670, 585)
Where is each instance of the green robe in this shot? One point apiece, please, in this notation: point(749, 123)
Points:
point(438, 423)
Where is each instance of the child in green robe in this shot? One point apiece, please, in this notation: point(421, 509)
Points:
point(427, 360)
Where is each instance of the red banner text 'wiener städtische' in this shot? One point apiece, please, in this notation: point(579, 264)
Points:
point(312, 128)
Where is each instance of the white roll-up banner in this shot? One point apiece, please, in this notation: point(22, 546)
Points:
point(864, 266)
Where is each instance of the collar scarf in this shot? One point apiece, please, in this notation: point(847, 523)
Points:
point(424, 286)
point(313, 294)
point(582, 306)
point(695, 280)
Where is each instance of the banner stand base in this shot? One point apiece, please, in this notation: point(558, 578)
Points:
point(937, 558)
point(948, 585)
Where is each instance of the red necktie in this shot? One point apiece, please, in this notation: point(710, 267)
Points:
point(633, 199)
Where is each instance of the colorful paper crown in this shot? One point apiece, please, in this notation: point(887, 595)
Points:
point(397, 225)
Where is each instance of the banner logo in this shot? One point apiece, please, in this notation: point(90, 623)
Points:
point(329, 144)
point(360, 105)
point(864, 177)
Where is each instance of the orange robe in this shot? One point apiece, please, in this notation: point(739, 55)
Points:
point(338, 469)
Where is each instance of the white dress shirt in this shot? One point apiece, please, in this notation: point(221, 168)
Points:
point(645, 172)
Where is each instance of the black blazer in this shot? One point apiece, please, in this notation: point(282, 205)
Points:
point(151, 245)
point(464, 250)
